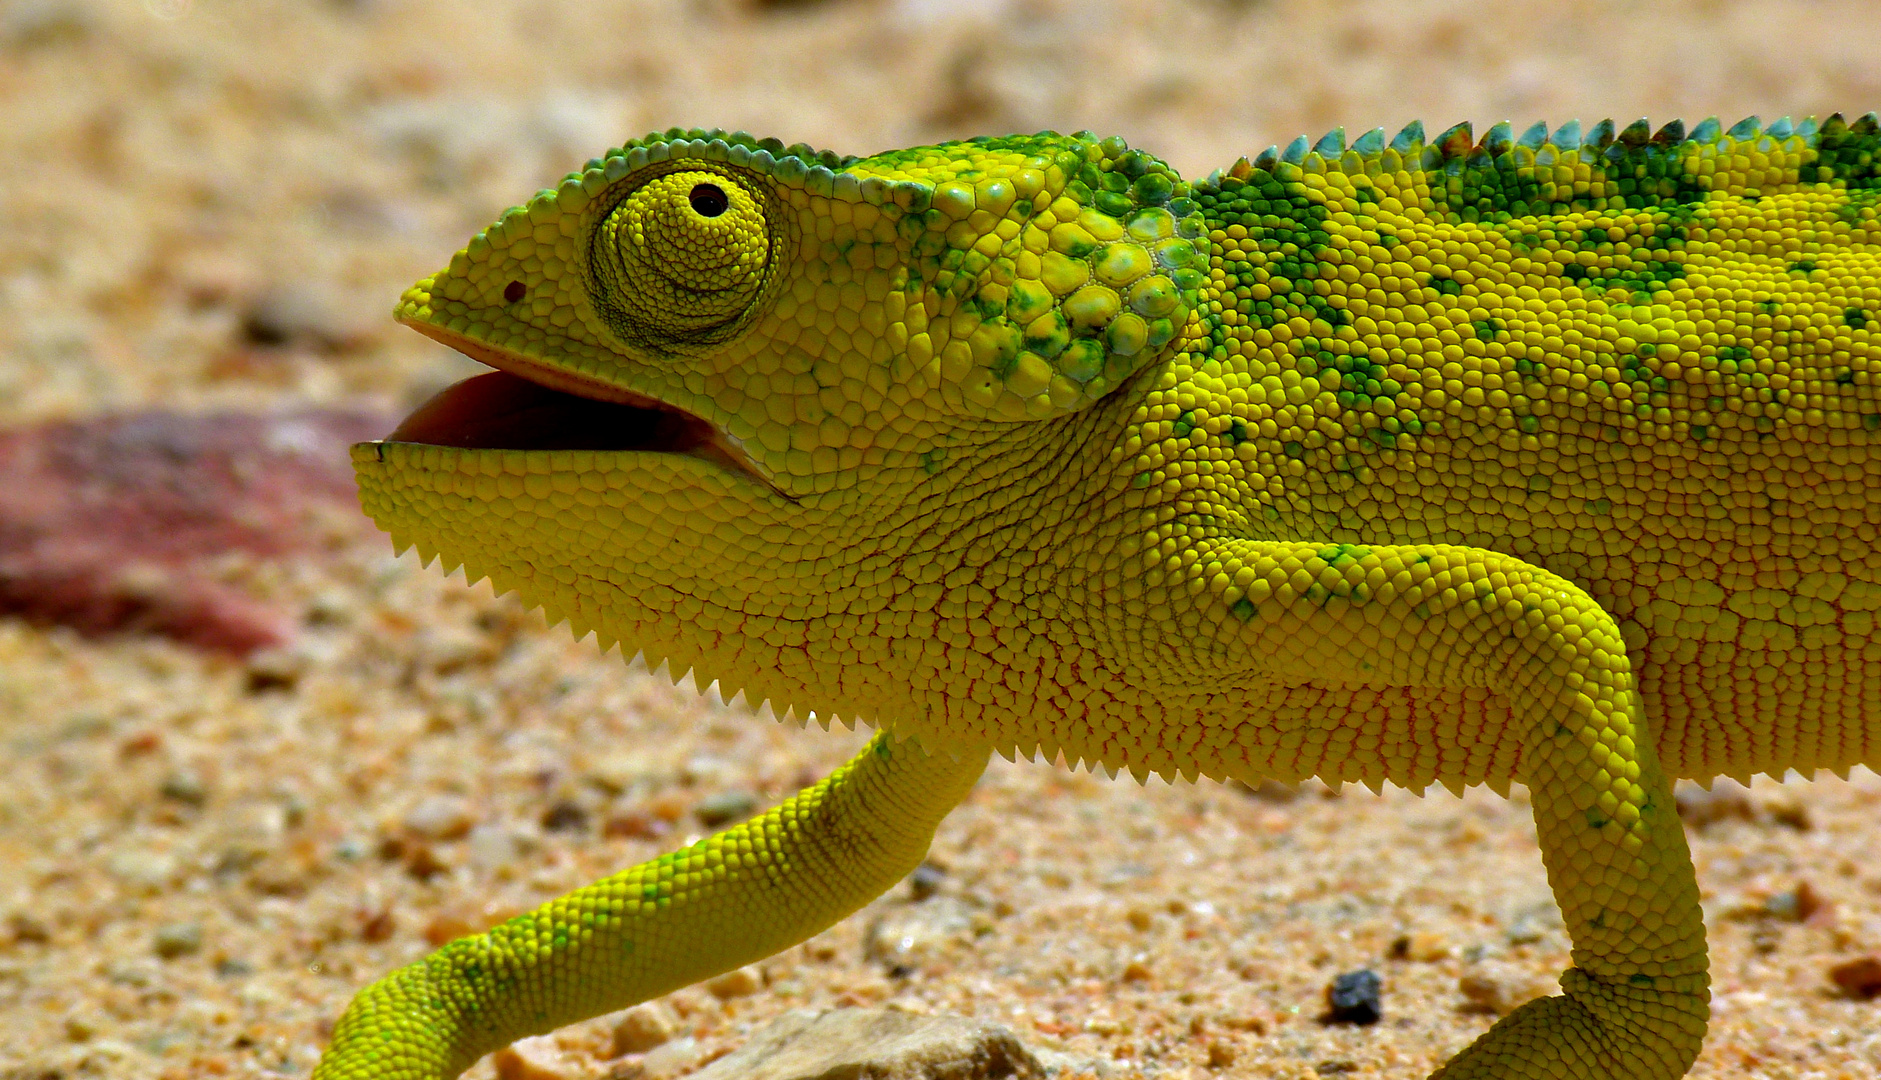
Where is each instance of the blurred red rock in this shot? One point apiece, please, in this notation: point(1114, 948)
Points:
point(110, 524)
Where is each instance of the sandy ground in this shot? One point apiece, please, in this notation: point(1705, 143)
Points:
point(200, 859)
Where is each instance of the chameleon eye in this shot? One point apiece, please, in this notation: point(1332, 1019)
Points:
point(683, 258)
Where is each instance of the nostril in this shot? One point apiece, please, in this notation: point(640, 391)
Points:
point(514, 291)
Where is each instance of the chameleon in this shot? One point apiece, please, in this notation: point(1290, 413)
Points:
point(1550, 458)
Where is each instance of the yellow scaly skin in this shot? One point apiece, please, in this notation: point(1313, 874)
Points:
point(1545, 459)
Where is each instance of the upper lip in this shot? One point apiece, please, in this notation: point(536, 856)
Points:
point(527, 405)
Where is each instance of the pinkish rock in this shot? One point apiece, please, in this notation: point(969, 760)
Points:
point(107, 525)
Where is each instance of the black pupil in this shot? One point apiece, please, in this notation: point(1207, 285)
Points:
point(708, 200)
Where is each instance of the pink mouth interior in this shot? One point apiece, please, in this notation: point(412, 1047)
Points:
point(500, 411)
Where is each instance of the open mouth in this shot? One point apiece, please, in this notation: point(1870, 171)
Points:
point(500, 411)
point(551, 410)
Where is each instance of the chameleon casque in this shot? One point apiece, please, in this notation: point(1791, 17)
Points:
point(1551, 458)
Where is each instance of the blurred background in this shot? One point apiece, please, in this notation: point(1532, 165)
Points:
point(251, 760)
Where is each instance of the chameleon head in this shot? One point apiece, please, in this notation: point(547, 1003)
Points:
point(734, 376)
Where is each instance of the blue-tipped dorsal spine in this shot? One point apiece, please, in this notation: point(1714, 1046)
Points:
point(1498, 139)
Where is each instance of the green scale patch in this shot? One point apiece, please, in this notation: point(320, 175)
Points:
point(1515, 182)
point(1507, 180)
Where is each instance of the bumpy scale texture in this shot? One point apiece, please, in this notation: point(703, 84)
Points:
point(1548, 458)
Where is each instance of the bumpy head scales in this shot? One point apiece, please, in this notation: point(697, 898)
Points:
point(1077, 259)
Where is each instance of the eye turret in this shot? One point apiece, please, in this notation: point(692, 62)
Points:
point(683, 259)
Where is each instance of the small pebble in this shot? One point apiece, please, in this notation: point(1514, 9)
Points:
point(635, 825)
point(1787, 808)
point(1353, 998)
point(1800, 904)
point(177, 939)
point(452, 923)
point(491, 847)
point(377, 925)
point(1499, 988)
point(1766, 938)
point(538, 1058)
point(302, 315)
point(1270, 791)
point(424, 863)
point(1859, 978)
point(1220, 1053)
point(640, 1029)
point(280, 876)
point(925, 881)
point(668, 806)
point(705, 771)
point(725, 807)
point(1424, 946)
point(26, 928)
point(737, 983)
point(440, 817)
point(905, 936)
point(35, 24)
point(275, 668)
point(1727, 799)
point(447, 649)
point(1524, 931)
point(330, 607)
point(184, 787)
point(565, 816)
point(616, 774)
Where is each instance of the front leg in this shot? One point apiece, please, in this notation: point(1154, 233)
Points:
point(1636, 999)
point(727, 900)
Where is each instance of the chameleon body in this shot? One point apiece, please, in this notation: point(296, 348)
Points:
point(1547, 458)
